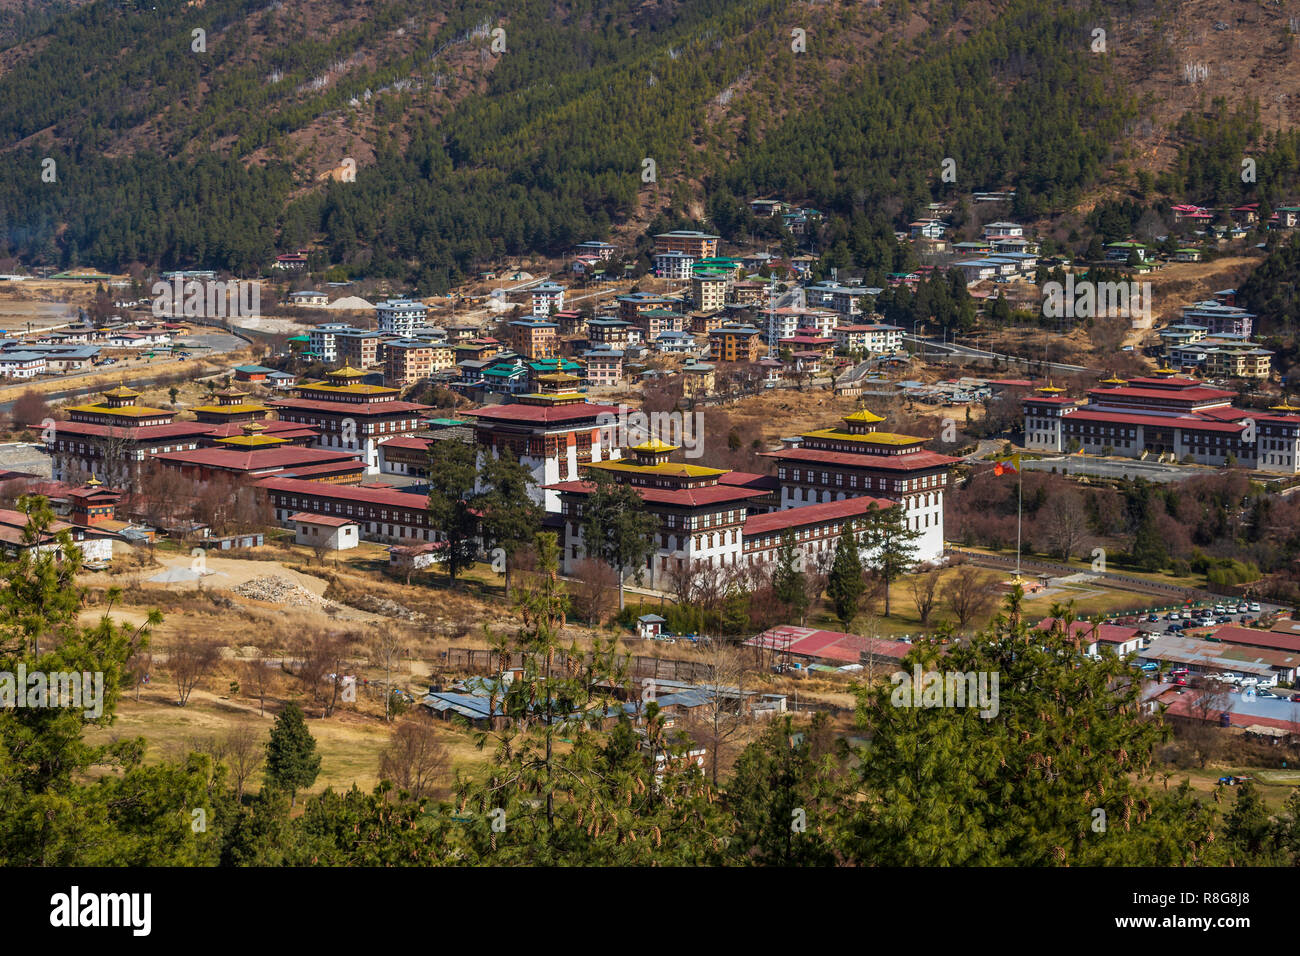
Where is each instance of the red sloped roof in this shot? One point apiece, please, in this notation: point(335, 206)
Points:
point(542, 414)
point(307, 517)
point(141, 433)
point(912, 461)
point(357, 493)
point(349, 408)
point(686, 497)
point(812, 514)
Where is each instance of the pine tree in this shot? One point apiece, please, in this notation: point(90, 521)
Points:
point(292, 763)
point(509, 515)
point(845, 585)
point(788, 578)
point(617, 528)
point(890, 544)
point(451, 487)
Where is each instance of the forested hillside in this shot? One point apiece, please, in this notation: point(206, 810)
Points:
point(467, 153)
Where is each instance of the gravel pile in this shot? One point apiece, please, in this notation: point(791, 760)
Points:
point(380, 605)
point(278, 590)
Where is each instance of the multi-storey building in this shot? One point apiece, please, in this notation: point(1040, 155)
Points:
point(554, 432)
point(548, 298)
point(651, 322)
point(1220, 319)
point(1165, 416)
point(673, 265)
point(408, 361)
point(701, 245)
point(594, 247)
point(400, 316)
point(114, 437)
point(535, 338)
point(701, 517)
point(631, 304)
point(708, 292)
point(321, 340)
point(359, 348)
point(384, 514)
point(609, 333)
point(348, 414)
point(733, 342)
point(873, 337)
point(254, 454)
point(855, 459)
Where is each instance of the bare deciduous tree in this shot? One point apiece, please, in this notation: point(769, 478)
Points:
point(258, 679)
point(593, 594)
point(968, 594)
point(190, 658)
point(324, 661)
point(1066, 522)
point(924, 588)
point(722, 718)
point(386, 649)
point(415, 760)
point(244, 752)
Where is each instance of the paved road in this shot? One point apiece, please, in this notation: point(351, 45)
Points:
point(133, 369)
point(929, 347)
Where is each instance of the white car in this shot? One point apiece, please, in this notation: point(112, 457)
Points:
point(1228, 678)
point(1243, 608)
point(1249, 681)
point(1254, 608)
point(1175, 616)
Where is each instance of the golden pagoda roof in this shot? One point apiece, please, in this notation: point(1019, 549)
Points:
point(347, 371)
point(121, 391)
point(125, 411)
point(252, 441)
point(230, 409)
point(1166, 371)
point(663, 468)
point(1284, 407)
point(1049, 389)
point(654, 446)
point(869, 438)
point(864, 415)
point(1113, 380)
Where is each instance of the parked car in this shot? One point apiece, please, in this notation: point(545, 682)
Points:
point(1173, 616)
point(1243, 608)
point(1254, 607)
point(1153, 617)
point(1294, 698)
point(1249, 681)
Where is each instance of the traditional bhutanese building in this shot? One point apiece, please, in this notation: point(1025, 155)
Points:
point(119, 407)
point(230, 407)
point(1168, 416)
point(114, 436)
point(553, 431)
point(351, 415)
point(855, 460)
point(255, 454)
point(701, 514)
point(291, 433)
point(93, 504)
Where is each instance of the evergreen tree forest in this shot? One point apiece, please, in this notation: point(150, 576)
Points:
point(171, 157)
point(578, 775)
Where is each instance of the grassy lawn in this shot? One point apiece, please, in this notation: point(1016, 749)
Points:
point(1158, 577)
point(1275, 786)
point(349, 744)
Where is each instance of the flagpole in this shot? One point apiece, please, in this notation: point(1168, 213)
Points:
point(1020, 501)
